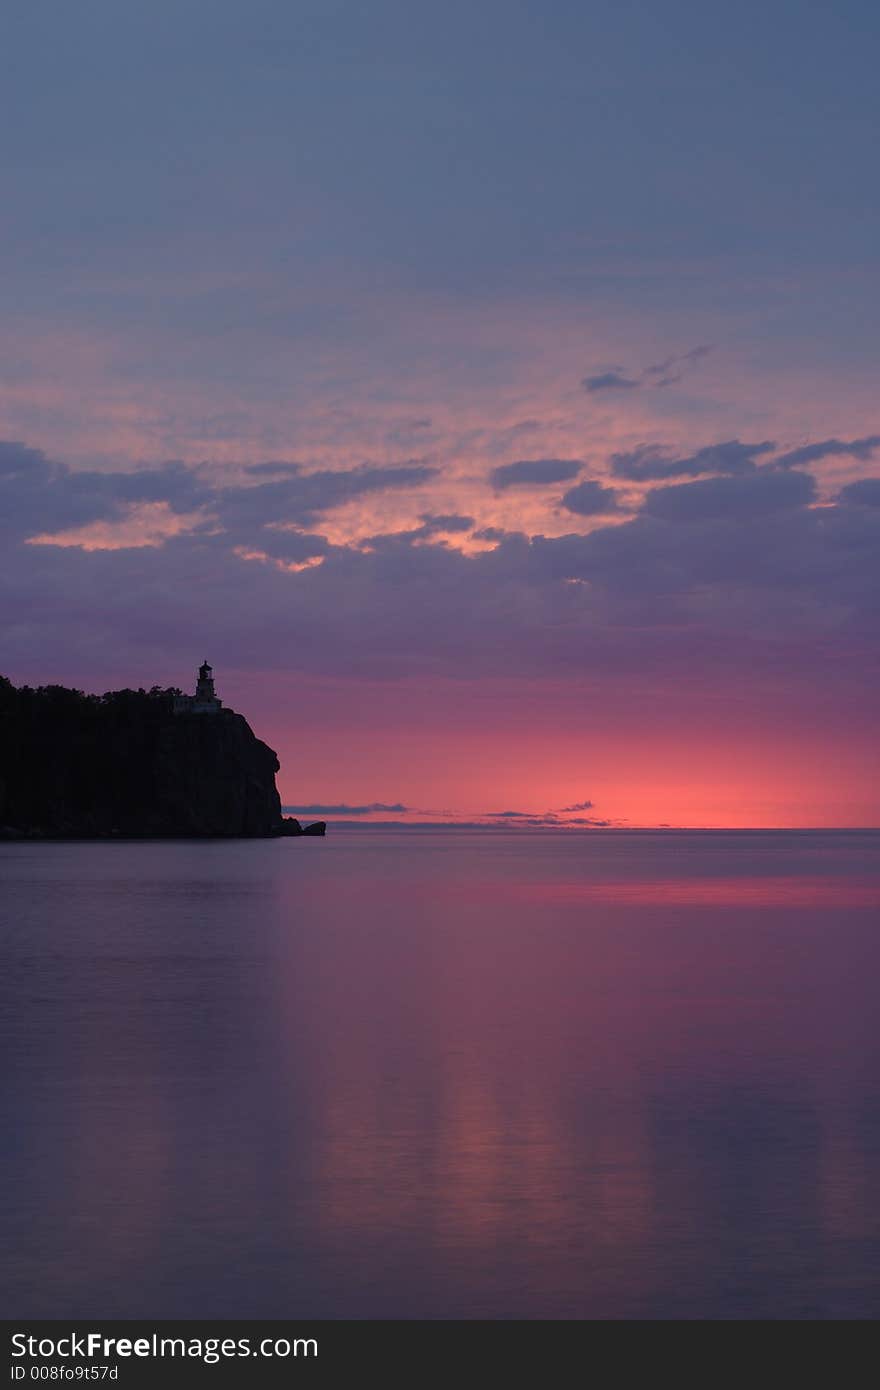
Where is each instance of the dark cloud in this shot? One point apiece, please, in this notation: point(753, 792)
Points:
point(39, 494)
point(864, 493)
point(658, 374)
point(549, 820)
point(181, 487)
point(826, 448)
point(609, 381)
point(18, 460)
point(482, 820)
point(665, 371)
point(534, 473)
point(270, 470)
point(650, 461)
point(273, 520)
point(451, 524)
point(343, 810)
point(290, 546)
point(736, 499)
point(432, 526)
point(523, 822)
point(590, 499)
point(560, 819)
point(304, 497)
point(493, 533)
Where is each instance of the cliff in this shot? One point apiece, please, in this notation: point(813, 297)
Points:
point(87, 766)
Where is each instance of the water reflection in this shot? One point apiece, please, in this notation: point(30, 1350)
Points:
point(437, 1077)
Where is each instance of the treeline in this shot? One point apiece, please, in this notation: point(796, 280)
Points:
point(62, 697)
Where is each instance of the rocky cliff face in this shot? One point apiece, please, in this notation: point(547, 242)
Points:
point(74, 765)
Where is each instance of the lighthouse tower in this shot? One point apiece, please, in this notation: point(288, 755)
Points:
point(204, 701)
point(205, 683)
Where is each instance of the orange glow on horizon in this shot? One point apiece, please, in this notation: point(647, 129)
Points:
point(642, 758)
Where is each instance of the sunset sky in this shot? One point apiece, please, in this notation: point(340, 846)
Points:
point(488, 390)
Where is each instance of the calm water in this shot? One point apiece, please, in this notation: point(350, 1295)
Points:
point(405, 1074)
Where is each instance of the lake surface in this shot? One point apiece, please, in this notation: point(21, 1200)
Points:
point(438, 1074)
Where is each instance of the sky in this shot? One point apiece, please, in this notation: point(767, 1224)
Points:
point(487, 391)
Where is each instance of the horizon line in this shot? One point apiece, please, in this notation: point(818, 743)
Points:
point(514, 828)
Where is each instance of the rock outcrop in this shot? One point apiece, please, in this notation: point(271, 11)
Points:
point(124, 764)
point(291, 826)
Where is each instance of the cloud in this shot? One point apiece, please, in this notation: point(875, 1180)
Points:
point(737, 499)
point(664, 372)
point(432, 526)
point(534, 473)
point(657, 375)
point(811, 453)
point(451, 524)
point(344, 810)
point(610, 381)
point(39, 495)
point(483, 820)
point(590, 499)
point(558, 820)
point(754, 562)
point(493, 533)
point(304, 497)
point(864, 493)
point(269, 469)
point(18, 460)
point(650, 461)
point(287, 545)
point(515, 826)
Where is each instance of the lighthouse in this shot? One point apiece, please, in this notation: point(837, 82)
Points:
point(204, 701)
point(205, 683)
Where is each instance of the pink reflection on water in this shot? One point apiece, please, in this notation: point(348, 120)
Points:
point(721, 892)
